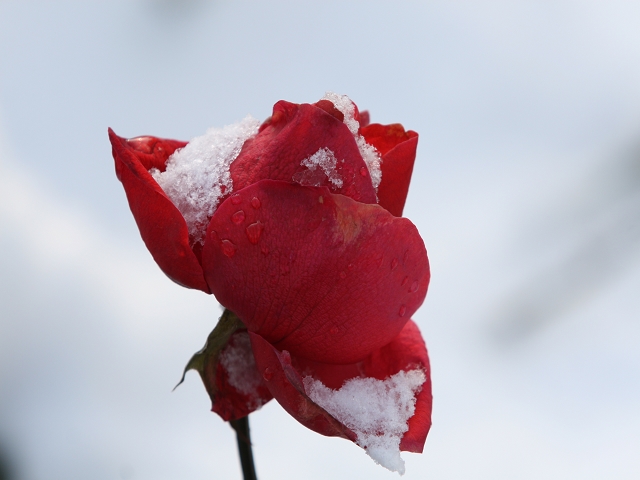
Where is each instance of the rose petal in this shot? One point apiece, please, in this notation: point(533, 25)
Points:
point(320, 275)
point(161, 225)
point(285, 384)
point(284, 378)
point(233, 382)
point(398, 151)
point(294, 133)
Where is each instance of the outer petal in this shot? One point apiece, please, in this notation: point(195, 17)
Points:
point(285, 384)
point(398, 151)
point(161, 225)
point(314, 273)
point(294, 133)
point(233, 382)
point(284, 375)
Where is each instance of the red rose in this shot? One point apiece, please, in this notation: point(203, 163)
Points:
point(295, 226)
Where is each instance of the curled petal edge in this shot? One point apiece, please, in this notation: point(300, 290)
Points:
point(162, 227)
point(284, 377)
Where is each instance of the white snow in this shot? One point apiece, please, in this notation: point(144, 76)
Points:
point(377, 411)
point(198, 174)
point(314, 177)
point(240, 365)
point(369, 154)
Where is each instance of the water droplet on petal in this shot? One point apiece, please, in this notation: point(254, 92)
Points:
point(238, 217)
point(381, 260)
point(254, 231)
point(264, 250)
point(404, 281)
point(236, 199)
point(402, 311)
point(255, 203)
point(394, 263)
point(320, 199)
point(267, 374)
point(333, 330)
point(363, 171)
point(350, 266)
point(343, 275)
point(228, 248)
point(414, 287)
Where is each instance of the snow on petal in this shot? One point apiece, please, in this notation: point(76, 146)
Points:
point(369, 154)
point(197, 176)
point(242, 374)
point(377, 411)
point(314, 176)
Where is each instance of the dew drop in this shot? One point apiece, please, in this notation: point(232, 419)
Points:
point(402, 311)
point(394, 263)
point(350, 266)
point(236, 199)
point(404, 281)
point(228, 248)
point(343, 275)
point(254, 231)
point(414, 287)
point(381, 260)
point(363, 171)
point(264, 250)
point(320, 199)
point(267, 374)
point(238, 217)
point(333, 330)
point(255, 203)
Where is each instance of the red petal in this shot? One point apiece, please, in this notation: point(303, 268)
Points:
point(406, 352)
point(234, 384)
point(320, 275)
point(398, 151)
point(285, 384)
point(161, 225)
point(294, 133)
point(284, 373)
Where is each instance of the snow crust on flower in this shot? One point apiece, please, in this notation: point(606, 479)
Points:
point(242, 374)
point(198, 174)
point(377, 411)
point(314, 176)
point(369, 154)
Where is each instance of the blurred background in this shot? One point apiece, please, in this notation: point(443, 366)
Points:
point(526, 191)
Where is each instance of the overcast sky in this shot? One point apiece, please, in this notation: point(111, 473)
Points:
point(526, 191)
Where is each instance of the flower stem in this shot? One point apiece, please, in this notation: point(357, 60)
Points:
point(241, 426)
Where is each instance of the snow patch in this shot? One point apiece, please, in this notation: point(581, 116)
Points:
point(242, 373)
point(377, 411)
point(369, 154)
point(198, 174)
point(314, 176)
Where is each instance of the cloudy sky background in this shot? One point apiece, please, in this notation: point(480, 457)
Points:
point(526, 191)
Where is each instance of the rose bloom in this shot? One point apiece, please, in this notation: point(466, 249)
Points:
point(295, 225)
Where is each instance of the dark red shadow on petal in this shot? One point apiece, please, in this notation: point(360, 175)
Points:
point(317, 274)
point(397, 148)
point(285, 384)
point(161, 225)
point(294, 133)
point(284, 375)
